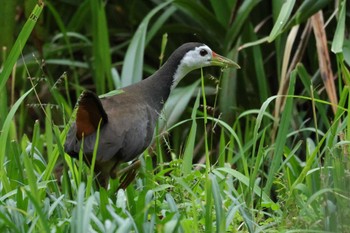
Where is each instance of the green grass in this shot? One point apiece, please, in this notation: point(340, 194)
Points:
point(260, 149)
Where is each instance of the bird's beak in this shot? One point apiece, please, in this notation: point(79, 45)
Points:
point(224, 62)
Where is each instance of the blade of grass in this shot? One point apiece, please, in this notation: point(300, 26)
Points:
point(77, 215)
point(235, 29)
point(66, 37)
point(159, 23)
point(305, 11)
point(205, 117)
point(19, 44)
point(133, 61)
point(284, 126)
point(4, 139)
point(264, 91)
point(307, 81)
point(48, 131)
point(246, 181)
point(257, 166)
point(339, 35)
point(284, 81)
point(202, 15)
point(78, 20)
point(209, 220)
point(219, 218)
point(222, 149)
point(162, 48)
point(172, 205)
point(282, 19)
point(44, 226)
point(208, 183)
point(222, 11)
point(93, 161)
point(16, 156)
point(102, 65)
point(188, 153)
point(7, 11)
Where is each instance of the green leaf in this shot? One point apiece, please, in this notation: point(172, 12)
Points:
point(220, 220)
point(222, 11)
point(245, 180)
point(102, 65)
point(338, 40)
point(346, 52)
point(7, 11)
point(235, 29)
point(284, 126)
point(4, 138)
point(282, 19)
point(306, 10)
point(202, 15)
point(44, 226)
point(133, 61)
point(188, 154)
point(19, 44)
point(111, 93)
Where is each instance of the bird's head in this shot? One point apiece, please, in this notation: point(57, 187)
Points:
point(202, 56)
point(193, 56)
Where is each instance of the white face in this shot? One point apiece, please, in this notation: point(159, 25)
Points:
point(197, 58)
point(194, 59)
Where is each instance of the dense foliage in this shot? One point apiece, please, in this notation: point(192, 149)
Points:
point(260, 149)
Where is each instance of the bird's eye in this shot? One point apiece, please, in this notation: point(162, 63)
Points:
point(203, 52)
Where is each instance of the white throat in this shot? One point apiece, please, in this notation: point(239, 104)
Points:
point(180, 73)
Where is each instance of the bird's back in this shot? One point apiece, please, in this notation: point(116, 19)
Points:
point(128, 132)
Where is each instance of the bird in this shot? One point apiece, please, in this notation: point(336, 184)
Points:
point(124, 123)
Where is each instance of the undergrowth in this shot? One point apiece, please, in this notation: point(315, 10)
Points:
point(262, 149)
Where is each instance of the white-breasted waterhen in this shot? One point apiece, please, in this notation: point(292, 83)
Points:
point(127, 120)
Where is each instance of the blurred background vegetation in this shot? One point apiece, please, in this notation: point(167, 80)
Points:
point(276, 132)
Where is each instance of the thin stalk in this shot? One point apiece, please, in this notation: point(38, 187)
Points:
point(207, 159)
point(208, 186)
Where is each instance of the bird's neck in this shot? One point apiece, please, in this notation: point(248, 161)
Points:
point(160, 84)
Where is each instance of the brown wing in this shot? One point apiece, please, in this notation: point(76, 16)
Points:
point(89, 114)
